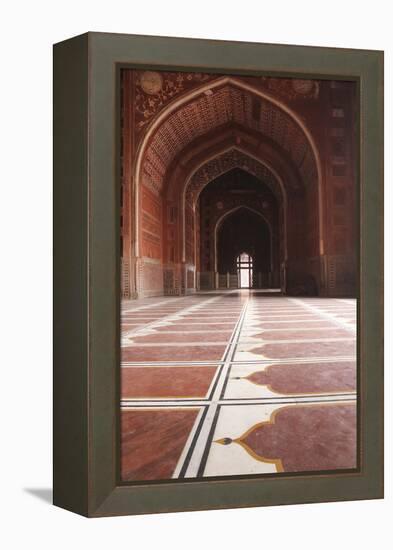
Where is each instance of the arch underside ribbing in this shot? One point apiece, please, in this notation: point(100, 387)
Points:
point(226, 100)
point(223, 124)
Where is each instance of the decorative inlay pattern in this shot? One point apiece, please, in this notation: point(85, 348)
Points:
point(341, 273)
point(151, 82)
point(292, 88)
point(189, 409)
point(225, 105)
point(224, 163)
point(309, 378)
point(154, 90)
point(330, 444)
point(125, 278)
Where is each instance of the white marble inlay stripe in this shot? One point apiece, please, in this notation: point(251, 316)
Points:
point(133, 403)
point(324, 314)
point(167, 318)
point(199, 449)
point(256, 310)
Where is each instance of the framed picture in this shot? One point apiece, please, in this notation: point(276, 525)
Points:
point(218, 260)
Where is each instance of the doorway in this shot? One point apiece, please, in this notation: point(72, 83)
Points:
point(244, 270)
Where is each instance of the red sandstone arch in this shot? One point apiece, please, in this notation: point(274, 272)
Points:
point(233, 157)
point(281, 174)
point(162, 136)
point(321, 248)
point(275, 180)
point(217, 142)
point(228, 214)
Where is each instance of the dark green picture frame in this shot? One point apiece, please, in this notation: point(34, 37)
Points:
point(86, 272)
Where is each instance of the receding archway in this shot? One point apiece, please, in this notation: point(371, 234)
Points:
point(225, 162)
point(161, 142)
point(244, 231)
point(201, 125)
point(229, 117)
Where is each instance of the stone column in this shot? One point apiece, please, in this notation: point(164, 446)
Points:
point(216, 280)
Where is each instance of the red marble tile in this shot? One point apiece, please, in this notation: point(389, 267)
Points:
point(307, 349)
point(302, 334)
point(126, 327)
point(173, 353)
point(334, 309)
point(137, 314)
point(210, 318)
point(170, 382)
point(306, 438)
point(152, 441)
point(203, 322)
point(307, 378)
point(296, 324)
point(346, 317)
point(267, 318)
point(228, 329)
point(217, 310)
point(278, 311)
point(141, 320)
point(176, 338)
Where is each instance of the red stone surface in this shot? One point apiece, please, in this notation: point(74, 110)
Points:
point(173, 353)
point(126, 327)
point(196, 326)
point(152, 441)
point(303, 334)
point(311, 349)
point(307, 438)
point(209, 150)
point(186, 338)
point(294, 324)
point(308, 378)
point(143, 320)
point(159, 382)
point(285, 317)
point(197, 317)
point(203, 322)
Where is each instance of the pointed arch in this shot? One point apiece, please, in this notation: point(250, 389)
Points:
point(242, 150)
point(176, 104)
point(229, 213)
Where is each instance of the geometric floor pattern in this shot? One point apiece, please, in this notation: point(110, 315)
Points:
point(237, 383)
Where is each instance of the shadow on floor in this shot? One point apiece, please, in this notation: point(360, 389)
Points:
point(44, 494)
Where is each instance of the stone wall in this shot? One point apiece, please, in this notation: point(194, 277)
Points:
point(172, 248)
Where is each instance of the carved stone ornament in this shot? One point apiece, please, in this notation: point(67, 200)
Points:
point(151, 82)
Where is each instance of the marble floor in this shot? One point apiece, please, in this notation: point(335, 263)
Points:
point(237, 383)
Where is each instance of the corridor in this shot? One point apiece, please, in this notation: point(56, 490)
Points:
point(237, 382)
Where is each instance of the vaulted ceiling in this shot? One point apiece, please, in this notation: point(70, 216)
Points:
point(220, 107)
point(224, 163)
